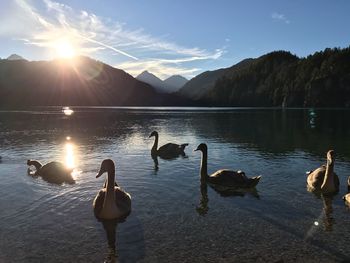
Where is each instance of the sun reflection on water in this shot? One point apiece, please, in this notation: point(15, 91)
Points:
point(70, 158)
point(67, 111)
point(69, 155)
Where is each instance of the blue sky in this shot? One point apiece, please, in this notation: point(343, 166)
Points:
point(171, 37)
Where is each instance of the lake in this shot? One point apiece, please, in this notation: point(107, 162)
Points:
point(174, 218)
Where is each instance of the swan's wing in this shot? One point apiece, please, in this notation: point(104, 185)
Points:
point(169, 147)
point(56, 172)
point(123, 202)
point(98, 202)
point(315, 178)
point(228, 177)
point(170, 150)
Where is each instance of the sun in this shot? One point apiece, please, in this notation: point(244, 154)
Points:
point(64, 49)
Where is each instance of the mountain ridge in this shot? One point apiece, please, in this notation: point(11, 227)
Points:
point(281, 79)
point(169, 85)
point(277, 79)
point(84, 82)
point(15, 57)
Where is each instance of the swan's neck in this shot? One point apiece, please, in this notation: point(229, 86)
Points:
point(36, 164)
point(204, 165)
point(328, 181)
point(155, 144)
point(110, 195)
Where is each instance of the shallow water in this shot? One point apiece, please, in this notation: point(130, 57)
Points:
point(174, 218)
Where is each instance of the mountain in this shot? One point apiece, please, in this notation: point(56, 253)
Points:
point(169, 85)
point(282, 79)
point(275, 79)
point(197, 87)
point(151, 79)
point(175, 82)
point(15, 57)
point(82, 81)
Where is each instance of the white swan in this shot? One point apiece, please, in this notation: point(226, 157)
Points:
point(226, 178)
point(167, 151)
point(53, 172)
point(324, 179)
point(111, 202)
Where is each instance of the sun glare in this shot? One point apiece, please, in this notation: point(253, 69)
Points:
point(69, 155)
point(67, 111)
point(64, 49)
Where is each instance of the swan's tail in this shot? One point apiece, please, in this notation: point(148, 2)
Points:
point(254, 180)
point(183, 146)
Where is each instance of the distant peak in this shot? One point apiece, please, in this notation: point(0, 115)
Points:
point(177, 77)
point(145, 72)
point(15, 57)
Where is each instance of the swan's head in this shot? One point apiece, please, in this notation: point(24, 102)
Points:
point(154, 133)
point(202, 147)
point(106, 166)
point(330, 157)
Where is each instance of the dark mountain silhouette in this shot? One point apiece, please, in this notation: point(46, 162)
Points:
point(198, 86)
point(277, 79)
point(169, 85)
point(15, 57)
point(82, 81)
point(174, 83)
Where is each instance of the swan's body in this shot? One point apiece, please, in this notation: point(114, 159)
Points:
point(226, 178)
point(111, 202)
point(53, 172)
point(167, 151)
point(346, 197)
point(324, 179)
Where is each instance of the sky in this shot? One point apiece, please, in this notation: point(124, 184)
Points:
point(170, 37)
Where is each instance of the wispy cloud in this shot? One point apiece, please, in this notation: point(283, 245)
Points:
point(159, 67)
point(134, 50)
point(280, 17)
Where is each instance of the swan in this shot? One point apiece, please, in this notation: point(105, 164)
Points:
point(346, 197)
point(167, 151)
point(226, 178)
point(324, 179)
point(53, 172)
point(111, 202)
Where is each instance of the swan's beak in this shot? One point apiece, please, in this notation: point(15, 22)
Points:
point(196, 150)
point(99, 173)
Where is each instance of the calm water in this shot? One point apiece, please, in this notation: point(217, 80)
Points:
point(173, 218)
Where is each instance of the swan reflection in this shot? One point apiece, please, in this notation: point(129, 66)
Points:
point(110, 227)
point(328, 219)
point(325, 219)
point(203, 208)
point(155, 160)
